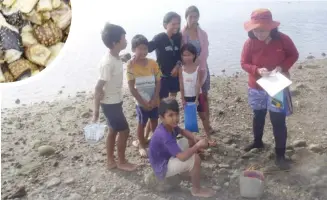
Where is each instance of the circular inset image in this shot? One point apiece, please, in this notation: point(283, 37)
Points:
point(32, 33)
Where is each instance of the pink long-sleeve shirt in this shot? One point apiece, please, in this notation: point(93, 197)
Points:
point(277, 53)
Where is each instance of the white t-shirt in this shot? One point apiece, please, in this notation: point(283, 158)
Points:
point(111, 71)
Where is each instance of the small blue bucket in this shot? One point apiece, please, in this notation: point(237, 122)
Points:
point(190, 117)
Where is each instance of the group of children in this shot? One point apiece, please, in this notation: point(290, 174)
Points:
point(154, 85)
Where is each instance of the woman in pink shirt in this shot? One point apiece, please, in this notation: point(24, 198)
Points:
point(266, 50)
point(192, 33)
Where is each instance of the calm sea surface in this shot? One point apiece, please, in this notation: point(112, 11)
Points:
point(75, 69)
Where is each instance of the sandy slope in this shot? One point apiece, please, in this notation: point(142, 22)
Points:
point(77, 170)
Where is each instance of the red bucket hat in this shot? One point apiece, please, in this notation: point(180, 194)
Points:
point(261, 18)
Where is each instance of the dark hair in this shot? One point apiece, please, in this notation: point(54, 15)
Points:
point(166, 104)
point(191, 48)
point(170, 16)
point(274, 34)
point(111, 34)
point(138, 40)
point(191, 9)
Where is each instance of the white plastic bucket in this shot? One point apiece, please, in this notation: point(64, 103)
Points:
point(251, 184)
point(94, 133)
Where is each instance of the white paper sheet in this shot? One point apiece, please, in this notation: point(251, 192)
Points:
point(274, 83)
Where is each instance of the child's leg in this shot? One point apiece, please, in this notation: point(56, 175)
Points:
point(140, 137)
point(192, 166)
point(148, 129)
point(143, 117)
point(205, 91)
point(206, 107)
point(154, 115)
point(195, 176)
point(118, 123)
point(154, 124)
point(203, 113)
point(205, 122)
point(123, 164)
point(173, 86)
point(114, 125)
point(110, 145)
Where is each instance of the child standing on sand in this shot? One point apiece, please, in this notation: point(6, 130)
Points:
point(167, 47)
point(143, 77)
point(108, 94)
point(190, 84)
point(169, 156)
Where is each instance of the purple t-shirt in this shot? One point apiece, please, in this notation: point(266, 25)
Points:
point(163, 146)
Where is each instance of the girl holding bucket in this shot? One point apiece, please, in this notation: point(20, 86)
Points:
point(266, 50)
point(190, 78)
point(192, 33)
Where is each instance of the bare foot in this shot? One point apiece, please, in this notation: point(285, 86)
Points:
point(111, 165)
point(203, 192)
point(143, 153)
point(126, 166)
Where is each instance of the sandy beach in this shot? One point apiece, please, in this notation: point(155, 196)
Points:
point(69, 168)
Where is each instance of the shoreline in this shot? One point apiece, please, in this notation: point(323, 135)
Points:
point(63, 95)
point(74, 169)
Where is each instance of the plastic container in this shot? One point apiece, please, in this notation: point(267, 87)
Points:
point(94, 133)
point(251, 184)
point(190, 117)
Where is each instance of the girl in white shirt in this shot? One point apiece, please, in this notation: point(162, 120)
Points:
point(190, 87)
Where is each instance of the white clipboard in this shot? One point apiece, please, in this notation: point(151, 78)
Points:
point(274, 83)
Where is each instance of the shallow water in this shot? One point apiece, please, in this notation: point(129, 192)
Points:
point(75, 69)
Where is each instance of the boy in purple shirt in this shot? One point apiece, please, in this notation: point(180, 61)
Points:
point(169, 156)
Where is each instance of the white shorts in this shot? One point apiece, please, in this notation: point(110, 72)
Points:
point(175, 166)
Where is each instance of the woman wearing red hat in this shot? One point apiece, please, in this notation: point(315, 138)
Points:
point(266, 50)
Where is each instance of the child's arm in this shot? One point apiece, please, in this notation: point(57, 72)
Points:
point(132, 89)
point(157, 75)
point(198, 85)
point(135, 93)
point(153, 44)
point(106, 72)
point(98, 95)
point(185, 155)
point(181, 84)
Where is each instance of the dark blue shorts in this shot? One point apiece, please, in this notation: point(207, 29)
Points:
point(115, 116)
point(144, 115)
point(168, 85)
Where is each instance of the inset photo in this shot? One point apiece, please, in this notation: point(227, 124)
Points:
point(32, 33)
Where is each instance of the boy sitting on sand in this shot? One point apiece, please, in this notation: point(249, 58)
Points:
point(108, 93)
point(143, 77)
point(169, 156)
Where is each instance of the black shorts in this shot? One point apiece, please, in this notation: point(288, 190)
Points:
point(168, 85)
point(115, 116)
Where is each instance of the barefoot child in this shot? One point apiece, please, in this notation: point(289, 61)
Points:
point(190, 84)
point(169, 156)
point(108, 94)
point(143, 77)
